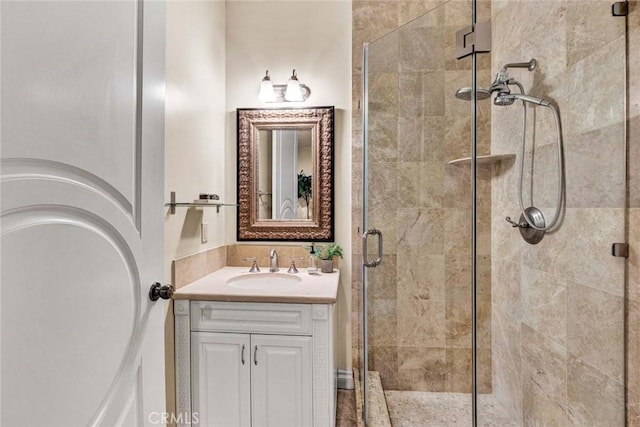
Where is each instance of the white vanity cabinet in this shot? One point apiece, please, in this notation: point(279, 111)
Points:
point(255, 364)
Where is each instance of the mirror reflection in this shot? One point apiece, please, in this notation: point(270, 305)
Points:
point(285, 175)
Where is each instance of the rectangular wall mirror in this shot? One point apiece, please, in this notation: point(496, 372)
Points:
point(285, 174)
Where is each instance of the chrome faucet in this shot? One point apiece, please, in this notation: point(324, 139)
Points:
point(273, 261)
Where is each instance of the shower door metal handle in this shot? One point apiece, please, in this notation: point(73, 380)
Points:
point(365, 257)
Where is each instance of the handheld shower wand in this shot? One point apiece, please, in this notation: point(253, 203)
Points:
point(508, 98)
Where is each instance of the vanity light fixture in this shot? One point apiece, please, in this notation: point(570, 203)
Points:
point(267, 93)
point(293, 91)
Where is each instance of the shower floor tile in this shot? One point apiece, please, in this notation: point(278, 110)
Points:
point(425, 409)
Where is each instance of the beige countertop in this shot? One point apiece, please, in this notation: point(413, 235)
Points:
point(311, 289)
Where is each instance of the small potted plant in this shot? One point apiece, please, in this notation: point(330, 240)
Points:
point(326, 253)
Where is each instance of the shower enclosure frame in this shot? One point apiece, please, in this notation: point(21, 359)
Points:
point(543, 267)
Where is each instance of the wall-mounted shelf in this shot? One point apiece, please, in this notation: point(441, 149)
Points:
point(195, 204)
point(489, 159)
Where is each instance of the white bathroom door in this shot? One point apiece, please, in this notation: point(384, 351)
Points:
point(82, 166)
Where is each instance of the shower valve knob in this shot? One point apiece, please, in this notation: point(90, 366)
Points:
point(515, 224)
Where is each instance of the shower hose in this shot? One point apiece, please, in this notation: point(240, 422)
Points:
point(560, 175)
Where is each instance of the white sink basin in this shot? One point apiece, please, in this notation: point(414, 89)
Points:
point(266, 281)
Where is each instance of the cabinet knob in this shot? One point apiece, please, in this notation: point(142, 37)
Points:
point(158, 291)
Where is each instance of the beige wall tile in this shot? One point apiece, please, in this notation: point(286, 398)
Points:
point(421, 276)
point(384, 324)
point(544, 304)
point(420, 184)
point(408, 10)
point(539, 409)
point(458, 277)
point(593, 398)
point(633, 155)
point(384, 97)
point(420, 230)
point(190, 268)
point(421, 47)
point(382, 281)
point(458, 319)
point(422, 369)
point(580, 249)
point(506, 345)
point(411, 92)
point(421, 323)
point(506, 241)
point(420, 140)
point(589, 28)
point(457, 13)
point(604, 70)
point(633, 263)
point(506, 288)
point(371, 20)
point(632, 337)
point(237, 253)
point(544, 367)
point(384, 360)
point(595, 329)
point(633, 409)
point(634, 61)
point(459, 370)
point(595, 177)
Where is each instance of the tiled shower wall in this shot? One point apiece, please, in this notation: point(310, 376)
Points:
point(419, 299)
point(559, 307)
point(520, 307)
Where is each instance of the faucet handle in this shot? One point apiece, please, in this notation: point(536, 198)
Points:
point(514, 224)
point(254, 267)
point(293, 268)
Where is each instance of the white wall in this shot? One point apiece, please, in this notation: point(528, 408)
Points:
point(314, 37)
point(195, 136)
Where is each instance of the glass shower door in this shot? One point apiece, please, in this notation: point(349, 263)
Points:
point(558, 312)
point(549, 317)
point(417, 301)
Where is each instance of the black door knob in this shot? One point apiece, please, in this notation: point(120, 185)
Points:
point(159, 291)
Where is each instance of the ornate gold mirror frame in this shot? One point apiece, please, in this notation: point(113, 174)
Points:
point(320, 121)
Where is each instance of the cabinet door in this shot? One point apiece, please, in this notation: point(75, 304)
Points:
point(220, 379)
point(281, 387)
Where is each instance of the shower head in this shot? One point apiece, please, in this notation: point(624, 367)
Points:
point(464, 93)
point(508, 99)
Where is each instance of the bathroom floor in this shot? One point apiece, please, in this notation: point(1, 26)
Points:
point(424, 409)
point(346, 409)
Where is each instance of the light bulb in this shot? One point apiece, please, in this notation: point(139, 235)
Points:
point(293, 92)
point(266, 89)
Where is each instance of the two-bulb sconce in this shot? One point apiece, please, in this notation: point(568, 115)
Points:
point(293, 91)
